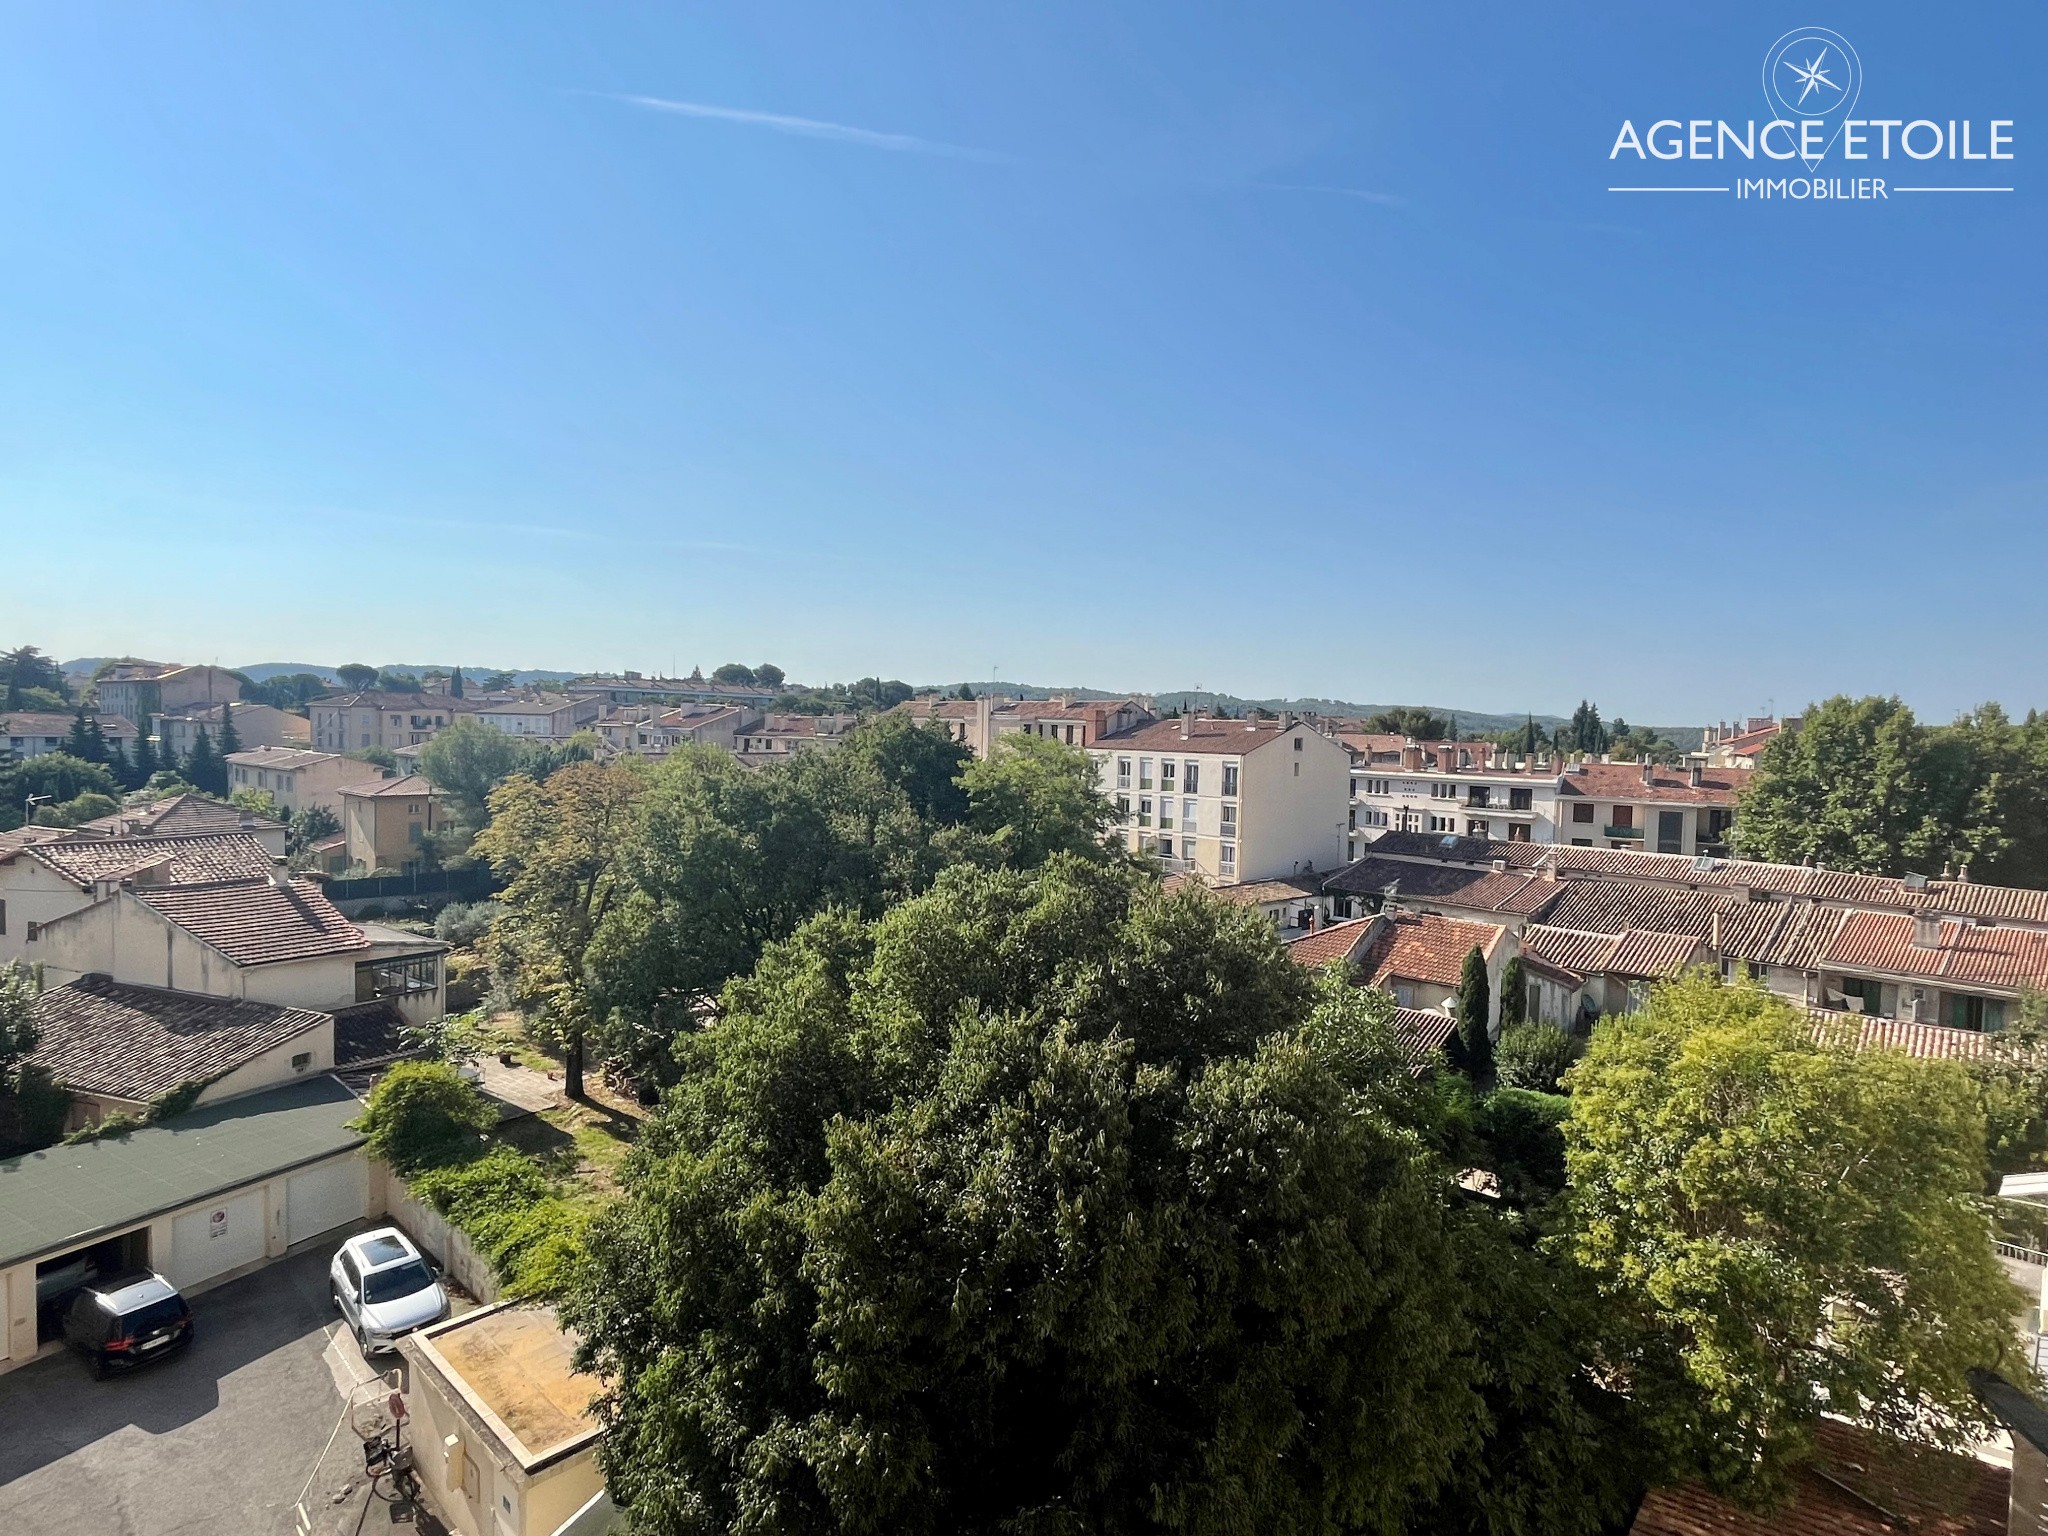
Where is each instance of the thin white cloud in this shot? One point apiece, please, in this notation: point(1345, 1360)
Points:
point(1384, 199)
point(812, 128)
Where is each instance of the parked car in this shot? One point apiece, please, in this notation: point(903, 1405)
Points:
point(385, 1287)
point(125, 1320)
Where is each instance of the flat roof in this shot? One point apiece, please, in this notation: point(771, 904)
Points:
point(64, 1197)
point(517, 1365)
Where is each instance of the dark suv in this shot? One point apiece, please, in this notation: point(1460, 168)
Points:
point(127, 1319)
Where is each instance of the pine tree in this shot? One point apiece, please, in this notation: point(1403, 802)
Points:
point(1514, 994)
point(203, 769)
point(142, 766)
point(1475, 1045)
point(96, 742)
point(230, 738)
point(79, 743)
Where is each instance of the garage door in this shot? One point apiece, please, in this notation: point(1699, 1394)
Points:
point(323, 1198)
point(216, 1238)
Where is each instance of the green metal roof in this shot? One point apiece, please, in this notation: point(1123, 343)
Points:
point(64, 1197)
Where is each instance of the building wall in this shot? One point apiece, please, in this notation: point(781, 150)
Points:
point(275, 1065)
point(379, 828)
point(297, 788)
point(33, 893)
point(1293, 809)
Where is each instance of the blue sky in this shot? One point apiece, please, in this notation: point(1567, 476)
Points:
point(1279, 350)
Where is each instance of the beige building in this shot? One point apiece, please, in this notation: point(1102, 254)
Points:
point(386, 821)
point(774, 737)
point(256, 725)
point(43, 881)
point(646, 730)
point(139, 689)
point(349, 722)
point(982, 722)
point(298, 779)
point(505, 1433)
point(1229, 800)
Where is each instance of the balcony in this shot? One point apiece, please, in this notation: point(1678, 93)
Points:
point(1621, 832)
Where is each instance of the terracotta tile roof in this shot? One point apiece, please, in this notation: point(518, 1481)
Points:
point(413, 786)
point(1931, 1042)
point(2002, 958)
point(1624, 781)
point(1412, 946)
point(175, 860)
point(1858, 1485)
point(1636, 954)
point(397, 702)
point(1517, 893)
point(256, 922)
point(1339, 941)
point(177, 816)
point(1254, 893)
point(138, 1043)
point(1749, 930)
point(1204, 736)
point(1422, 1032)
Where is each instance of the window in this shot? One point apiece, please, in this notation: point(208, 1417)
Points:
point(1226, 858)
point(1670, 831)
point(1229, 827)
point(413, 832)
point(1518, 799)
point(397, 978)
point(1297, 743)
point(1191, 778)
point(1166, 775)
point(1123, 807)
point(1379, 786)
point(1443, 791)
point(1476, 797)
point(1166, 847)
point(1373, 818)
point(1582, 842)
point(1144, 773)
point(1975, 1012)
point(1582, 812)
point(1123, 773)
point(1443, 823)
point(1070, 735)
point(3, 918)
point(1187, 816)
point(1354, 819)
point(1518, 832)
point(1624, 816)
point(1297, 770)
point(1230, 778)
point(1145, 811)
point(1478, 829)
point(302, 1060)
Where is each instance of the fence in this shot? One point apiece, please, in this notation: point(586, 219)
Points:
point(471, 882)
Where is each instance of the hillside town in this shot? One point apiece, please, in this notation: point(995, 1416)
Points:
point(284, 966)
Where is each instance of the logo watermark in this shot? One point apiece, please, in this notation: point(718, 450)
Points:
point(1813, 81)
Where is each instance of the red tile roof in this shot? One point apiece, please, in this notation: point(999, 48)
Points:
point(1204, 736)
point(1339, 941)
point(2003, 958)
point(1858, 1485)
point(1412, 946)
point(1930, 1042)
point(1624, 781)
point(412, 786)
point(137, 1043)
point(257, 922)
point(1518, 893)
point(176, 860)
point(1422, 1032)
point(178, 816)
point(1637, 953)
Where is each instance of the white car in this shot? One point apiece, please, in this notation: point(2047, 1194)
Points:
point(385, 1287)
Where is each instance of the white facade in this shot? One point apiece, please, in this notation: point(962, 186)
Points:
point(298, 779)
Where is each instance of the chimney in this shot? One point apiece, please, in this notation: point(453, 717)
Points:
point(1926, 931)
point(1187, 727)
point(1500, 866)
point(1963, 873)
point(1714, 935)
point(1696, 773)
point(1411, 757)
point(1649, 771)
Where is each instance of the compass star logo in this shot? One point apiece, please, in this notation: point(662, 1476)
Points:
point(1812, 76)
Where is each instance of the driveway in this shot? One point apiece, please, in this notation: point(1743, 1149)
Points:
point(217, 1440)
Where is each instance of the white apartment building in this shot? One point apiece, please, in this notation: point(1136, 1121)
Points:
point(349, 722)
point(1229, 800)
point(550, 715)
point(1469, 789)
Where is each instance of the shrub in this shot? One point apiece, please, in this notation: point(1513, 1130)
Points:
point(1532, 1056)
point(505, 1203)
point(115, 1127)
point(423, 1114)
point(464, 922)
point(1524, 1142)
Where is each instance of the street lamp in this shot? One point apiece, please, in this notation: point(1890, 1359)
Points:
point(28, 815)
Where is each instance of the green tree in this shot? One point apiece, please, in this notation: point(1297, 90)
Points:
point(557, 844)
point(204, 768)
point(424, 1114)
point(1474, 1055)
point(946, 1229)
point(469, 760)
point(383, 757)
point(230, 738)
point(1410, 720)
point(79, 742)
point(357, 678)
point(142, 763)
point(768, 675)
point(733, 672)
point(498, 682)
point(1035, 797)
point(32, 1108)
point(1781, 1226)
point(1584, 732)
point(314, 824)
point(51, 778)
point(455, 684)
point(2012, 1077)
point(1532, 1056)
point(1514, 993)
point(26, 671)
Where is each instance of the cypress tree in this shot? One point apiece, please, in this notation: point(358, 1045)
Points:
point(1475, 1045)
point(203, 769)
point(1514, 994)
point(230, 738)
point(96, 741)
point(455, 684)
point(79, 742)
point(142, 766)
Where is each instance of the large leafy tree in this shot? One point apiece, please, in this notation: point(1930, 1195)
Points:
point(1033, 797)
point(556, 844)
point(469, 760)
point(1048, 1203)
point(1847, 790)
point(51, 778)
point(31, 679)
point(1782, 1227)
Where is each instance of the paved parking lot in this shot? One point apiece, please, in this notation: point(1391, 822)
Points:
point(219, 1439)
